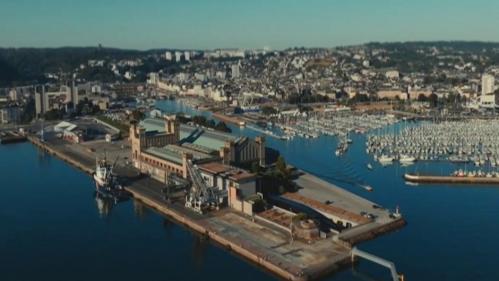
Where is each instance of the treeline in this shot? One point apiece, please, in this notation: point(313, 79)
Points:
point(19, 66)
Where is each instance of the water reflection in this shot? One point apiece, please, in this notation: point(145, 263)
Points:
point(105, 203)
point(363, 276)
point(140, 210)
point(199, 248)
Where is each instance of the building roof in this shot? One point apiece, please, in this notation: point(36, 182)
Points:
point(201, 137)
point(232, 173)
point(173, 153)
point(65, 126)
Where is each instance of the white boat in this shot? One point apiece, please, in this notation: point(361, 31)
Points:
point(103, 175)
point(369, 166)
point(367, 187)
point(384, 159)
point(407, 159)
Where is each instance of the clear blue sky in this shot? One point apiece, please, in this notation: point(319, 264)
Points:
point(206, 24)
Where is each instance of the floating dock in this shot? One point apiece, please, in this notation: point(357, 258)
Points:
point(451, 179)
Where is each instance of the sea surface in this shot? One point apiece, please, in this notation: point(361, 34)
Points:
point(54, 228)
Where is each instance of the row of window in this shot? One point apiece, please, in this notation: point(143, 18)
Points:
point(161, 164)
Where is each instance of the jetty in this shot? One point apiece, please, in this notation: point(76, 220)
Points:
point(12, 137)
point(258, 239)
point(451, 179)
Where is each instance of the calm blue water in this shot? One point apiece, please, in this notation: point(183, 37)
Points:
point(51, 228)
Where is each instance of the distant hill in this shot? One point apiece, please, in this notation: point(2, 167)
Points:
point(468, 46)
point(20, 66)
point(23, 65)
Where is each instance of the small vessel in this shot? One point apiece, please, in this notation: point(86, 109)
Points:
point(103, 175)
point(384, 159)
point(341, 149)
point(106, 182)
point(407, 159)
point(369, 166)
point(367, 187)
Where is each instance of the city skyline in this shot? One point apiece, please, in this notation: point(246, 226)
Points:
point(239, 24)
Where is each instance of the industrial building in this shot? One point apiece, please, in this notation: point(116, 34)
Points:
point(161, 147)
point(55, 98)
point(10, 114)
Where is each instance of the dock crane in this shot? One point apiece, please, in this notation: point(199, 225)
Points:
point(201, 197)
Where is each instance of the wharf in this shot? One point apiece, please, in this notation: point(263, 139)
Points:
point(345, 206)
point(229, 119)
point(451, 179)
point(259, 242)
point(11, 137)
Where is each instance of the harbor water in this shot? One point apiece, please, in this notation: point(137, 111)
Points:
point(54, 228)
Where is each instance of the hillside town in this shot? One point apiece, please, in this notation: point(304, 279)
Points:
point(410, 77)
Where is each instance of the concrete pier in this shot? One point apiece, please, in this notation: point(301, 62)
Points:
point(261, 243)
point(451, 179)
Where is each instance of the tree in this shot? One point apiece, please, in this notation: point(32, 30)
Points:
point(422, 98)
point(54, 114)
point(255, 167)
point(268, 110)
point(281, 165)
point(137, 115)
point(28, 112)
point(433, 99)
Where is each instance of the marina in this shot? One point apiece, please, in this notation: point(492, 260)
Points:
point(338, 122)
point(389, 190)
point(474, 142)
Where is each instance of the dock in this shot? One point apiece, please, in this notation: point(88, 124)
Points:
point(229, 119)
point(255, 240)
point(451, 179)
point(12, 137)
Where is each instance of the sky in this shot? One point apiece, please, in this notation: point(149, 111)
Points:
point(210, 24)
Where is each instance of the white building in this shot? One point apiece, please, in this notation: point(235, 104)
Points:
point(129, 75)
point(153, 78)
point(96, 89)
point(9, 115)
point(489, 101)
point(392, 74)
point(13, 95)
point(48, 100)
point(187, 56)
point(220, 75)
point(178, 56)
point(168, 55)
point(488, 84)
point(235, 70)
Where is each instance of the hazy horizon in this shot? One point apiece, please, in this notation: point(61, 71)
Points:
point(277, 24)
point(235, 48)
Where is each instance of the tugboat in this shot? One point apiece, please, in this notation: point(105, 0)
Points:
point(106, 183)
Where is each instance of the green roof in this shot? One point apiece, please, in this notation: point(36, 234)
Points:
point(201, 137)
point(173, 153)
